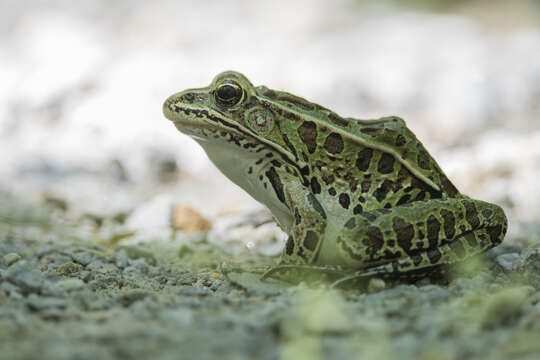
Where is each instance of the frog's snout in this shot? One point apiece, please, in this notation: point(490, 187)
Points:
point(168, 106)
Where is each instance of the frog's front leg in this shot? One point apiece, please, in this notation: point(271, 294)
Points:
point(307, 230)
point(414, 238)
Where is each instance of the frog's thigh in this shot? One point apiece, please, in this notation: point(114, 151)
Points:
point(421, 234)
point(309, 223)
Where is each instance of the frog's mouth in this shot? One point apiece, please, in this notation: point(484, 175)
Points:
point(208, 124)
point(201, 123)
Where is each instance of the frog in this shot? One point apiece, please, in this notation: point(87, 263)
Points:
point(357, 197)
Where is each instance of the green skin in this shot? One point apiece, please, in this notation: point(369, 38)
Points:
point(357, 197)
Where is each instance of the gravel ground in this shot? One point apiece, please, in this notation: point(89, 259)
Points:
point(119, 240)
point(63, 296)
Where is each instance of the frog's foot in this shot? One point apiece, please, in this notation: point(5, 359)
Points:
point(326, 269)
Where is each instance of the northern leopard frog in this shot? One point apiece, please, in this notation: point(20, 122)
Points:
point(363, 197)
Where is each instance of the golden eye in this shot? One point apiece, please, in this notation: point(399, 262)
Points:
point(229, 94)
point(260, 120)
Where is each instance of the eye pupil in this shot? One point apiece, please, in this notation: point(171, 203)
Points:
point(227, 92)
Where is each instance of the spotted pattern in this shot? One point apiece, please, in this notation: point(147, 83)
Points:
point(334, 143)
point(308, 133)
point(386, 164)
point(364, 159)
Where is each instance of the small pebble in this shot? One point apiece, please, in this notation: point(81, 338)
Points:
point(25, 276)
point(39, 303)
point(83, 257)
point(69, 268)
point(11, 258)
point(506, 261)
point(194, 291)
point(136, 252)
point(186, 219)
point(71, 284)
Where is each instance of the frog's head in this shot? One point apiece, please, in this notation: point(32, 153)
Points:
point(233, 111)
point(214, 109)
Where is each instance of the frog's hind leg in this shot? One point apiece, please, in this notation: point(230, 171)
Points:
point(423, 235)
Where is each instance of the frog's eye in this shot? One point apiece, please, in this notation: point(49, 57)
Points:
point(229, 94)
point(260, 120)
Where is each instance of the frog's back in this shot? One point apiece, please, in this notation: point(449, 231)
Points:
point(383, 149)
point(391, 136)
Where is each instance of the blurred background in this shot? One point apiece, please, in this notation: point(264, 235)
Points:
point(82, 85)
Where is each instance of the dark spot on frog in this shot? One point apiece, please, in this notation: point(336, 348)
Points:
point(357, 209)
point(296, 100)
point(400, 140)
point(404, 199)
point(297, 217)
point(350, 224)
point(334, 143)
point(289, 145)
point(374, 240)
point(471, 214)
point(386, 164)
point(308, 133)
point(364, 158)
point(344, 200)
point(311, 240)
point(423, 158)
point(289, 247)
point(315, 186)
point(404, 233)
point(369, 216)
point(381, 192)
point(433, 227)
point(434, 255)
point(449, 223)
point(421, 195)
point(274, 179)
point(417, 259)
point(496, 233)
point(292, 116)
point(316, 205)
point(371, 131)
point(337, 119)
point(332, 191)
point(365, 185)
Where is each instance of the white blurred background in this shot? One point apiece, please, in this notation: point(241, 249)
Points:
point(82, 84)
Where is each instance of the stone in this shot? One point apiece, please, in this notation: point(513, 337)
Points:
point(506, 261)
point(11, 258)
point(84, 258)
point(26, 277)
point(69, 268)
point(137, 252)
point(528, 265)
point(71, 284)
point(188, 220)
point(39, 303)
